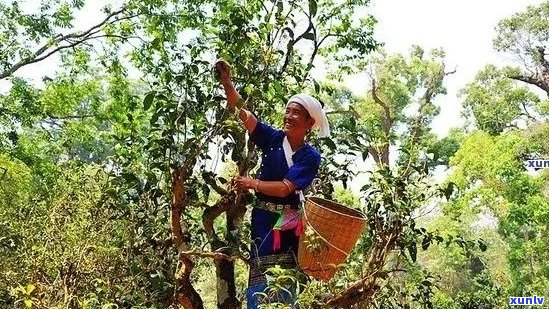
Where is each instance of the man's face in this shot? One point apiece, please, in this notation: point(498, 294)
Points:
point(297, 120)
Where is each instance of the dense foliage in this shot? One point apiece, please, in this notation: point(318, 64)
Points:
point(115, 169)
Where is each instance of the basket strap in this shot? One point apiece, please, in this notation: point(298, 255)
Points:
point(322, 237)
point(288, 154)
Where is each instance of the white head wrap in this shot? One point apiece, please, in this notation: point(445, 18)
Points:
point(315, 110)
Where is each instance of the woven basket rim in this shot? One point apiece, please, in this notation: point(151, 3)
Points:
point(359, 214)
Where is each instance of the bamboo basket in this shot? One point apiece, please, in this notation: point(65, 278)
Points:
point(331, 232)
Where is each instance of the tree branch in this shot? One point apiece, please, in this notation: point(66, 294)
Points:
point(375, 154)
point(215, 256)
point(291, 46)
point(313, 55)
point(383, 156)
point(540, 53)
point(387, 119)
point(210, 214)
point(366, 287)
point(178, 203)
point(70, 117)
point(527, 113)
point(79, 36)
point(450, 72)
point(209, 179)
point(325, 37)
point(185, 294)
point(533, 80)
point(351, 112)
point(541, 76)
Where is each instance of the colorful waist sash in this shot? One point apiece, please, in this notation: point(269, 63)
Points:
point(288, 218)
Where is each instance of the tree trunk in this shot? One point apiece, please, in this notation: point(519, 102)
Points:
point(226, 287)
point(184, 294)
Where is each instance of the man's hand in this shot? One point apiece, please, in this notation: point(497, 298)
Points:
point(223, 71)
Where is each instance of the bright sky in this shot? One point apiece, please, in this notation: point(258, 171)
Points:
point(464, 29)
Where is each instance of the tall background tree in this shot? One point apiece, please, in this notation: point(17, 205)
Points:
point(115, 170)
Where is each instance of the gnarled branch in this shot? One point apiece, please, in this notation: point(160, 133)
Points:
point(533, 80)
point(72, 40)
point(185, 294)
point(210, 180)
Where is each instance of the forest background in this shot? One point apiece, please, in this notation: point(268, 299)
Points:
point(115, 165)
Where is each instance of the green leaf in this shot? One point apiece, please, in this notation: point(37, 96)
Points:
point(168, 76)
point(130, 178)
point(149, 98)
point(309, 36)
point(426, 242)
point(317, 86)
point(313, 7)
point(352, 120)
point(330, 143)
point(412, 249)
point(206, 190)
point(449, 190)
point(194, 68)
point(290, 32)
point(28, 303)
point(156, 42)
point(482, 245)
point(279, 7)
point(30, 288)
point(162, 97)
point(179, 78)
